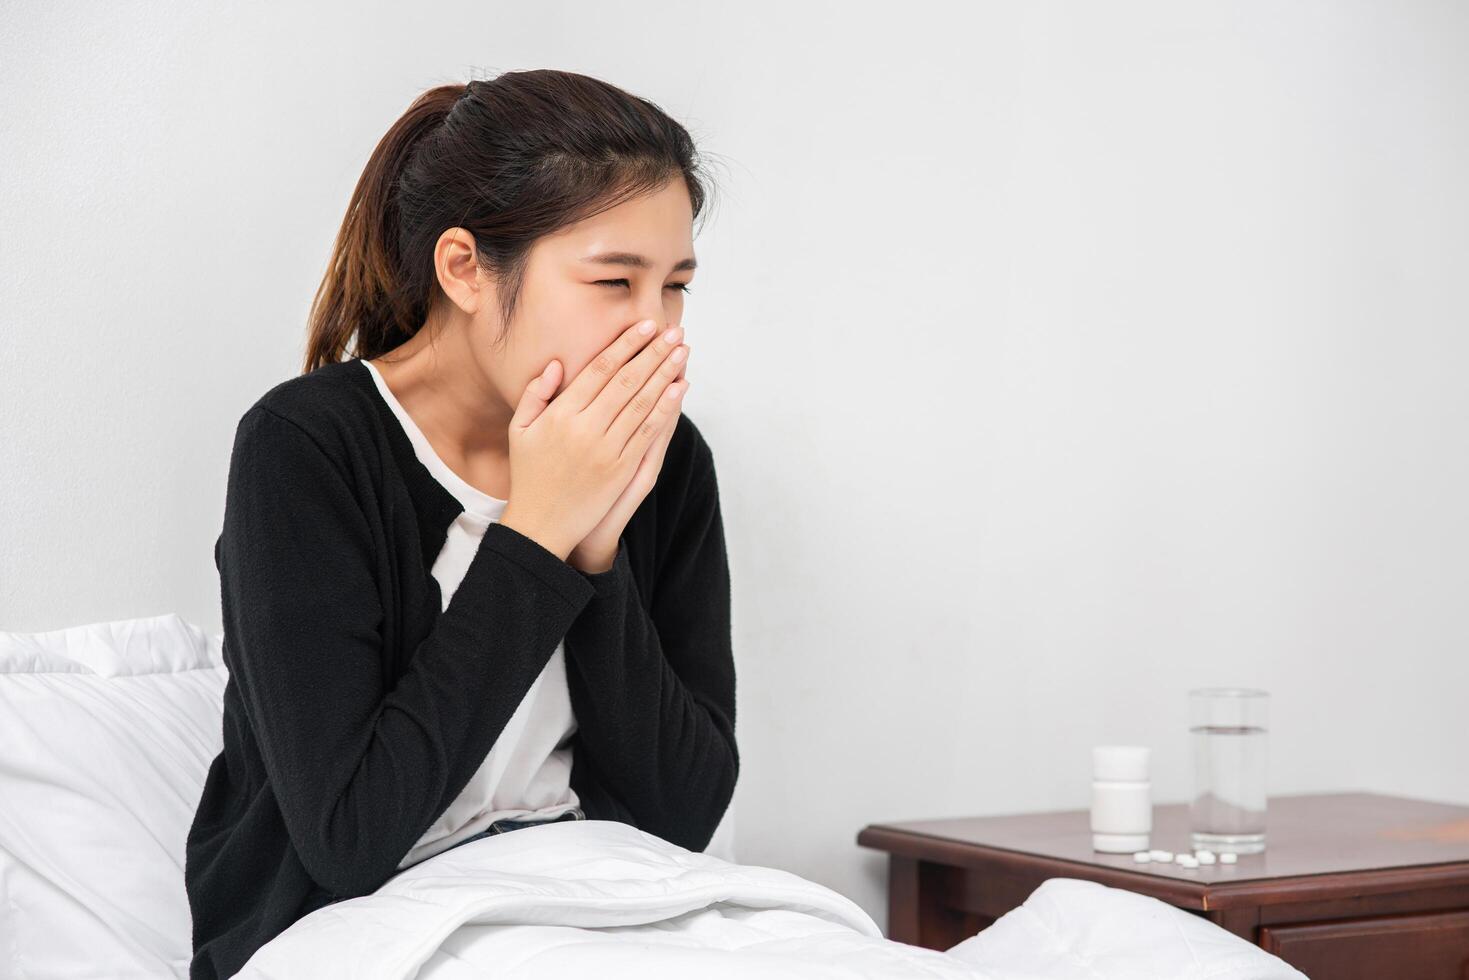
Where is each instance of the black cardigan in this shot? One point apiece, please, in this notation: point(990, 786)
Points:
point(355, 711)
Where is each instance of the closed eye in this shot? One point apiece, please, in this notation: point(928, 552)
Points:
point(683, 286)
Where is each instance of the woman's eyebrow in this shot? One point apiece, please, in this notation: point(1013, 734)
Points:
point(637, 261)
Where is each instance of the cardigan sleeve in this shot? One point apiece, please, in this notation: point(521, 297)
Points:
point(360, 764)
point(654, 693)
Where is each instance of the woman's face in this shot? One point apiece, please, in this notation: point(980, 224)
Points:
point(589, 282)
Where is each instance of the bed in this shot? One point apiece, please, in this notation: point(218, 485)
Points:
point(108, 730)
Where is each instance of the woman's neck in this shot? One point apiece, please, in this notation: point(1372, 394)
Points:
point(440, 384)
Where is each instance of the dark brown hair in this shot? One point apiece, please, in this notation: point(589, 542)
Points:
point(509, 159)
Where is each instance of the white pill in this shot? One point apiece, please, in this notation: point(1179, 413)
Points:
point(1205, 857)
point(1228, 857)
point(1161, 855)
point(1189, 861)
point(1143, 857)
point(1180, 857)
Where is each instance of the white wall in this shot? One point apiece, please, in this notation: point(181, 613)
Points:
point(1057, 357)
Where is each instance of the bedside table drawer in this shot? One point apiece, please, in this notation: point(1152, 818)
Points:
point(1420, 947)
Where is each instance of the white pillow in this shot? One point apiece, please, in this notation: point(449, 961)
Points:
point(106, 734)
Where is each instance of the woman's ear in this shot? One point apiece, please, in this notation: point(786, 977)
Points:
point(456, 263)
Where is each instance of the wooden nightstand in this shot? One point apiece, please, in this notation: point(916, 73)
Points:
point(1350, 884)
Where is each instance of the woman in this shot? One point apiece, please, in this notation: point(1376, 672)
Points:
point(473, 575)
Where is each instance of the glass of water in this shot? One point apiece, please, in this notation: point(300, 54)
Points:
point(1228, 726)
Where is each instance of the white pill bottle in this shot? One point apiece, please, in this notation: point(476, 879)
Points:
point(1122, 804)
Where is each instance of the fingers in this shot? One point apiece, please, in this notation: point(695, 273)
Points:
point(625, 385)
point(591, 380)
point(629, 378)
point(537, 395)
point(649, 412)
point(653, 456)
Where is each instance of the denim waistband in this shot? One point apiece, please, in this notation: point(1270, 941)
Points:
point(516, 823)
point(506, 824)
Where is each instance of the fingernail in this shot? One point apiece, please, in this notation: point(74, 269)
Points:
point(671, 335)
point(646, 327)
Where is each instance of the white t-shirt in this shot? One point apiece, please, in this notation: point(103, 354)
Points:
point(528, 770)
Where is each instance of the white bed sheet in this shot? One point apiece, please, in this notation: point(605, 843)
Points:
point(602, 898)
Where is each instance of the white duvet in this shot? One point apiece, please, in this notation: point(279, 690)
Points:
point(601, 898)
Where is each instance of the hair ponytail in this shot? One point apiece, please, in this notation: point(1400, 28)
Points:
point(362, 291)
point(510, 160)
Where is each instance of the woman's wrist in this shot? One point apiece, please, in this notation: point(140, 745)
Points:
point(530, 528)
point(592, 560)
